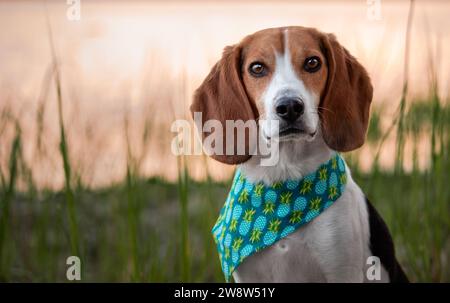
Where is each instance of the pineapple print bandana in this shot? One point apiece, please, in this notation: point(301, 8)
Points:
point(256, 215)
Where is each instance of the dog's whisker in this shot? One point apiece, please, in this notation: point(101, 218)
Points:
point(324, 108)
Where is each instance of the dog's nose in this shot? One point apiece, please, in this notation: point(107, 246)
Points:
point(290, 109)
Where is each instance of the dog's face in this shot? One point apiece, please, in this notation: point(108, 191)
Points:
point(298, 76)
point(285, 73)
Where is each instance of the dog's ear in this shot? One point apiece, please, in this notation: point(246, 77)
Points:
point(222, 97)
point(345, 104)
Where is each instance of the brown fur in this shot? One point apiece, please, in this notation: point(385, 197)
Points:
point(222, 97)
point(230, 93)
point(346, 101)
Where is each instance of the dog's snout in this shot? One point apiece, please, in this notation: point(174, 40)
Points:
point(290, 109)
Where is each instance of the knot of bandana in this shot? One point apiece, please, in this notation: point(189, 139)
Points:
point(257, 215)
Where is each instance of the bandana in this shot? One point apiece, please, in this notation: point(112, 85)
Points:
point(256, 215)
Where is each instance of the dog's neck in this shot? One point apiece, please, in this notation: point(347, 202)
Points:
point(296, 159)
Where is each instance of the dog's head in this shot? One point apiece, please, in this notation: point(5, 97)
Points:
point(299, 76)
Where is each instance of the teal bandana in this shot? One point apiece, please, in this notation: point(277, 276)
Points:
point(256, 215)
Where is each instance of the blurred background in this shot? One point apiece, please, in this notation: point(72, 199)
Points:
point(88, 95)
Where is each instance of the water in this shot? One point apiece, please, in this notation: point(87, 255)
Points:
point(143, 61)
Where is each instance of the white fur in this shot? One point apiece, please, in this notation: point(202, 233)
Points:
point(285, 83)
point(333, 247)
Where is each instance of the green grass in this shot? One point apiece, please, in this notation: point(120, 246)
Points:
point(415, 206)
point(63, 149)
point(152, 230)
point(8, 193)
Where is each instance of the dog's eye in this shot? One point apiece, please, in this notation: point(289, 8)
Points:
point(312, 64)
point(257, 69)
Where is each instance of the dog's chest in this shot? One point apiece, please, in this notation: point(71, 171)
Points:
point(288, 260)
point(317, 247)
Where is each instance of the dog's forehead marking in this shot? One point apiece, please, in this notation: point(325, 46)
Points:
point(285, 40)
point(281, 44)
point(285, 77)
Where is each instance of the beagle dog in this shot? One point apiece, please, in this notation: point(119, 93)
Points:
point(320, 95)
